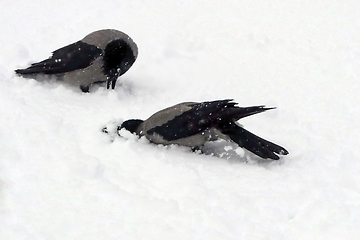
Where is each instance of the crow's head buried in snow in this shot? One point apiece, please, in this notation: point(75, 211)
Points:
point(101, 56)
point(131, 125)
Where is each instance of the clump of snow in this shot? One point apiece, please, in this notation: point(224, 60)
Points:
point(61, 177)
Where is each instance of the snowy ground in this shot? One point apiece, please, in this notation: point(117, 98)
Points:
point(62, 178)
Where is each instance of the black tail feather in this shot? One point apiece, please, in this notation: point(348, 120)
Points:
point(225, 111)
point(241, 112)
point(24, 71)
point(253, 143)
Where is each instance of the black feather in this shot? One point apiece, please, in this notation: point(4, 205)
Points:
point(74, 56)
point(203, 116)
point(253, 143)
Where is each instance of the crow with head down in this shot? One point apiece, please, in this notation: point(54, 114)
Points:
point(193, 124)
point(101, 56)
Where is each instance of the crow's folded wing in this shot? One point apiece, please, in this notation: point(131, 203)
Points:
point(78, 55)
point(202, 116)
point(191, 122)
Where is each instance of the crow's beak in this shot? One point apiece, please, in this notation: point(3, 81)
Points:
point(113, 83)
point(108, 83)
point(112, 80)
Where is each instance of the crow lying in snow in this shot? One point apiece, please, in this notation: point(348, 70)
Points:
point(193, 124)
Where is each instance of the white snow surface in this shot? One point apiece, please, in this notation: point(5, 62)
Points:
point(62, 178)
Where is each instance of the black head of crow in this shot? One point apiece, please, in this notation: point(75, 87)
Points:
point(101, 56)
point(193, 124)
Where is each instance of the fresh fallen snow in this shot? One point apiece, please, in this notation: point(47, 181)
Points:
point(61, 177)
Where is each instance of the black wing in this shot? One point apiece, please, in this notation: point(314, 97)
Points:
point(255, 144)
point(74, 56)
point(203, 116)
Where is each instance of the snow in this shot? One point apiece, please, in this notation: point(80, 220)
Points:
point(61, 177)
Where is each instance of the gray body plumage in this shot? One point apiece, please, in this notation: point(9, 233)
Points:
point(89, 60)
point(91, 74)
point(168, 114)
point(86, 76)
point(101, 38)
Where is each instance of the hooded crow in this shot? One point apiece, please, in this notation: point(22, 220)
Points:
point(193, 124)
point(101, 56)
